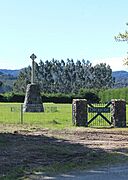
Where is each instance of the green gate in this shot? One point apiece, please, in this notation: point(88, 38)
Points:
point(99, 114)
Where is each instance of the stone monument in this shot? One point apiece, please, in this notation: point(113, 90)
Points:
point(33, 100)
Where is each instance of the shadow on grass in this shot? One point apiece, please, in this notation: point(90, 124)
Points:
point(28, 155)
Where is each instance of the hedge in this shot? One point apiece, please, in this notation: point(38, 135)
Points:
point(107, 95)
point(55, 98)
point(103, 96)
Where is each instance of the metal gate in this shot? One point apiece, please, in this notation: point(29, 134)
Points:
point(99, 114)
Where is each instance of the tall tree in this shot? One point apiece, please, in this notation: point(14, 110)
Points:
point(66, 77)
point(24, 78)
point(1, 83)
point(102, 76)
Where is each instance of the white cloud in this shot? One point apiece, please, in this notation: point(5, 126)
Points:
point(116, 63)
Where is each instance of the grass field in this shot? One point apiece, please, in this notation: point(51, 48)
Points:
point(56, 116)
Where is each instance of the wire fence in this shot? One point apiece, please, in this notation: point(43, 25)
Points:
point(53, 114)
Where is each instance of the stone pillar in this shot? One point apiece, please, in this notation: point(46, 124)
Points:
point(118, 113)
point(79, 112)
point(33, 100)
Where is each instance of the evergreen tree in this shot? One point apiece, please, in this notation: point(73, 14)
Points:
point(66, 77)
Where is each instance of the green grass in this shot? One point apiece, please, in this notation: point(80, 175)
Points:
point(10, 113)
point(56, 116)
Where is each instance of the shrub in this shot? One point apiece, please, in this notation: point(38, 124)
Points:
point(55, 98)
point(11, 97)
point(107, 95)
point(2, 98)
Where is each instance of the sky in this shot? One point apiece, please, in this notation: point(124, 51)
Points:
point(61, 29)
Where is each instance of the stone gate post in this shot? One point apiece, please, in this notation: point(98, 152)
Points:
point(118, 113)
point(79, 112)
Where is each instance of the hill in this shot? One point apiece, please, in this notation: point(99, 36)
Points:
point(7, 79)
point(120, 74)
point(14, 73)
point(121, 79)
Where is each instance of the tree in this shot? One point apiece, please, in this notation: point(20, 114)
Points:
point(1, 83)
point(65, 77)
point(23, 79)
point(123, 37)
point(102, 76)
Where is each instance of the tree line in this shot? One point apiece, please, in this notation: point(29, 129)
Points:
point(66, 77)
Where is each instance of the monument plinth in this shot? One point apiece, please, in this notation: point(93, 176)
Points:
point(33, 100)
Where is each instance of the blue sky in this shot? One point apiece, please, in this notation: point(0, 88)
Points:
point(61, 29)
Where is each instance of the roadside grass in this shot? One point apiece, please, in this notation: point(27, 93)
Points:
point(87, 161)
point(15, 174)
point(70, 162)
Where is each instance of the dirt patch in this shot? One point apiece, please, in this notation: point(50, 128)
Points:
point(38, 148)
point(107, 139)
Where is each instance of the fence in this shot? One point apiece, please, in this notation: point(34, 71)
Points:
point(86, 114)
point(59, 114)
point(99, 114)
point(54, 114)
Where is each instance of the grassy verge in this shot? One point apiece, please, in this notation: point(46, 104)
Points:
point(85, 162)
point(88, 161)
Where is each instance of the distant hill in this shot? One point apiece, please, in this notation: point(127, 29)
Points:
point(121, 79)
point(14, 73)
point(120, 74)
point(8, 78)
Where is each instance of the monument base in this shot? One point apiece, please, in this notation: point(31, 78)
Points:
point(33, 100)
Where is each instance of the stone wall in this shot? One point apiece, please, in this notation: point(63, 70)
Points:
point(79, 112)
point(118, 111)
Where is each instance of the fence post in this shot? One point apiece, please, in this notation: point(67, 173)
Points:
point(118, 113)
point(21, 113)
point(79, 112)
